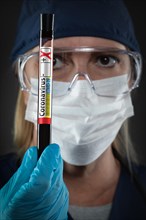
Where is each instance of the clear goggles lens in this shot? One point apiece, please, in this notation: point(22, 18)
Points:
point(99, 66)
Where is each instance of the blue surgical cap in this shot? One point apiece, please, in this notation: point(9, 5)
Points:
point(107, 19)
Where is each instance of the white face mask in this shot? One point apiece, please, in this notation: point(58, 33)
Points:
point(84, 124)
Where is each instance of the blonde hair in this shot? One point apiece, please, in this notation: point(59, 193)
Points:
point(23, 130)
point(124, 145)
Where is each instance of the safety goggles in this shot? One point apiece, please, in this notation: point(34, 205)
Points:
point(94, 64)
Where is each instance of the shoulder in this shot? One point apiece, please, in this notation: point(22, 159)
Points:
point(136, 175)
point(130, 195)
point(9, 163)
point(140, 174)
point(139, 170)
point(136, 180)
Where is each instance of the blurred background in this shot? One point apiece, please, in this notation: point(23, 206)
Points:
point(9, 11)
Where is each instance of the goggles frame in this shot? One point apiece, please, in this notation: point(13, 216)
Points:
point(22, 60)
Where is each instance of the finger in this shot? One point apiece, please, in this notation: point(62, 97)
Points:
point(52, 194)
point(27, 166)
point(57, 178)
point(57, 200)
point(22, 175)
point(46, 166)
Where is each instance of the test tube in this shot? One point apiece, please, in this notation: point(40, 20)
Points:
point(45, 81)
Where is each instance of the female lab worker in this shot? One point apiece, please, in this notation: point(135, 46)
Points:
point(97, 64)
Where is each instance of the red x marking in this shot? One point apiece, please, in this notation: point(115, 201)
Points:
point(44, 54)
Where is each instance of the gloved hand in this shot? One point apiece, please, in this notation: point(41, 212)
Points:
point(36, 191)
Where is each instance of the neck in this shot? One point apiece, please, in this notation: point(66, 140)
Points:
point(98, 179)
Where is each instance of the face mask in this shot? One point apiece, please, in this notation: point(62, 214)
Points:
point(84, 124)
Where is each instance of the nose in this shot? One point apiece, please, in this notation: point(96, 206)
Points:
point(81, 64)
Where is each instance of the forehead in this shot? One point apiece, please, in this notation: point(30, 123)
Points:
point(86, 41)
point(83, 41)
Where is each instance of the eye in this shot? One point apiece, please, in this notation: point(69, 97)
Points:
point(58, 62)
point(106, 61)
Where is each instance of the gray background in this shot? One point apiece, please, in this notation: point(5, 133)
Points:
point(9, 10)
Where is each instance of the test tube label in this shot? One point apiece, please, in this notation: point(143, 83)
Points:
point(45, 85)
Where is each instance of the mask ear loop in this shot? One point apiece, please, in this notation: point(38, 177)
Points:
point(75, 78)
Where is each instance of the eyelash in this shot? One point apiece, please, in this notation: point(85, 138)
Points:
point(96, 58)
point(108, 58)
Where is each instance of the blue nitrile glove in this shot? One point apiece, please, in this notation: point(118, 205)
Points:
point(36, 191)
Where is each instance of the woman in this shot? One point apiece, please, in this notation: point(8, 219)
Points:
point(96, 65)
